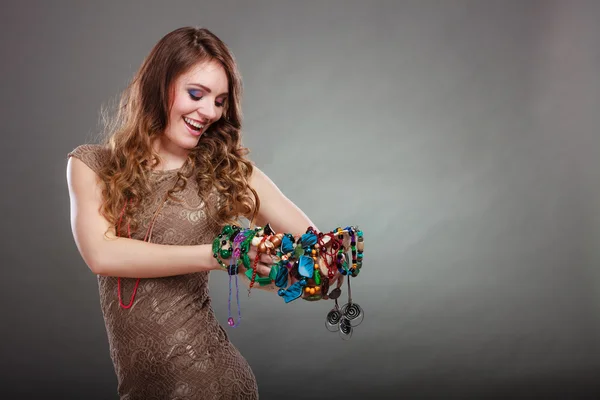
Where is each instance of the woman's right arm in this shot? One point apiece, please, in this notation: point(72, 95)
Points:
point(109, 255)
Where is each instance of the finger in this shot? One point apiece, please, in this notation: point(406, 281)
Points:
point(260, 269)
point(267, 259)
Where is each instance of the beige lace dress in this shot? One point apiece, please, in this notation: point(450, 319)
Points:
point(169, 345)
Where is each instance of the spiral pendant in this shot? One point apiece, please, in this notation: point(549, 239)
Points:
point(345, 328)
point(333, 319)
point(353, 313)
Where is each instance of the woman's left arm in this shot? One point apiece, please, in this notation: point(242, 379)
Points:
point(278, 211)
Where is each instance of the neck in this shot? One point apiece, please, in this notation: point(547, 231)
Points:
point(170, 156)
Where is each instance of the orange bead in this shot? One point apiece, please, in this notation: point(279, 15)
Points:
point(316, 266)
point(312, 290)
point(276, 241)
point(307, 290)
point(314, 252)
point(317, 289)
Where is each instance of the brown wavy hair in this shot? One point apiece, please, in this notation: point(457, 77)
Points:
point(218, 161)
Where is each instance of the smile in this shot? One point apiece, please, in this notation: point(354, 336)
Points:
point(193, 124)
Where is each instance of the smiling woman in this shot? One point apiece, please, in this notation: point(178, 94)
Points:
point(147, 204)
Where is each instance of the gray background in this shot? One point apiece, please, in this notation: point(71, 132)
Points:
point(461, 136)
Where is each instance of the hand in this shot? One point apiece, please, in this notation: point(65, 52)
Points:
point(265, 262)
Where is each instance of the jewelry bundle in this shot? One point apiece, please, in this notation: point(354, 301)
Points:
point(307, 265)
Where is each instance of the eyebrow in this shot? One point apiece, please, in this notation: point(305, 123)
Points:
point(205, 88)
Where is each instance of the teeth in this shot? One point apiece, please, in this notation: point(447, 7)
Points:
point(193, 123)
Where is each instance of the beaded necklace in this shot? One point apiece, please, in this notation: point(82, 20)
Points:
point(147, 238)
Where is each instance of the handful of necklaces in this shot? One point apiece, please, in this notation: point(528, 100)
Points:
point(307, 266)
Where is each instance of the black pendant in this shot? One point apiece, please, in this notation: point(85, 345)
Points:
point(353, 313)
point(269, 230)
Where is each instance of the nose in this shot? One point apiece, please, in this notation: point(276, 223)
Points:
point(208, 110)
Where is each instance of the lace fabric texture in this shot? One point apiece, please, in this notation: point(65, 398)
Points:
point(169, 345)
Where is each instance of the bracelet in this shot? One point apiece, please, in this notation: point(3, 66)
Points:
point(222, 240)
point(305, 258)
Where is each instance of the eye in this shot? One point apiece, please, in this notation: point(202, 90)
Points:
point(220, 104)
point(195, 94)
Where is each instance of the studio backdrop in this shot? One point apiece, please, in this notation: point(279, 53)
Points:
point(460, 136)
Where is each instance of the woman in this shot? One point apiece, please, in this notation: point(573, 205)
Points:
point(148, 203)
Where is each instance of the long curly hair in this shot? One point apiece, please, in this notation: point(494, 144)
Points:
point(218, 161)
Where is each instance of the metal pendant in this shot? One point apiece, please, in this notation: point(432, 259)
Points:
point(333, 320)
point(353, 313)
point(345, 328)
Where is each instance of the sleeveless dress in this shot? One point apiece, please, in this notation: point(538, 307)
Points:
point(169, 345)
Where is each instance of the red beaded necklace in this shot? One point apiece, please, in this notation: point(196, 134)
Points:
point(335, 244)
point(147, 238)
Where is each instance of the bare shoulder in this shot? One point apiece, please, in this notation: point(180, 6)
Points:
point(80, 175)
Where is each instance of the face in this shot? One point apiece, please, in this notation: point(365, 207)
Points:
point(198, 98)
